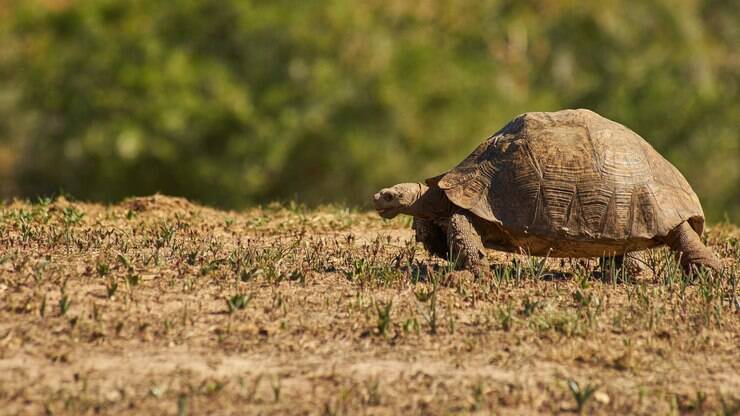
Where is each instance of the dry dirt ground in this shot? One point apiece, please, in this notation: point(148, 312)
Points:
point(161, 306)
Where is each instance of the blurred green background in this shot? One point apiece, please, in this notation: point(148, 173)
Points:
point(232, 103)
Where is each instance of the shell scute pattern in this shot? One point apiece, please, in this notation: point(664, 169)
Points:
point(573, 174)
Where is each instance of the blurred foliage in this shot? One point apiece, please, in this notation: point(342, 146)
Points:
point(233, 102)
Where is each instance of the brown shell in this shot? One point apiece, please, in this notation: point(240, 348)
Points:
point(572, 175)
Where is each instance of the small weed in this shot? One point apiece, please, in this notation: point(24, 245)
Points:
point(211, 267)
point(699, 402)
point(72, 216)
point(42, 307)
point(103, 269)
point(156, 392)
point(373, 393)
point(125, 262)
point(237, 302)
point(384, 316)
point(111, 288)
point(536, 266)
point(581, 394)
point(247, 275)
point(133, 280)
point(276, 388)
point(529, 307)
point(582, 298)
point(210, 387)
point(182, 404)
point(506, 317)
point(478, 397)
point(411, 325)
point(429, 297)
point(64, 304)
point(164, 235)
point(191, 258)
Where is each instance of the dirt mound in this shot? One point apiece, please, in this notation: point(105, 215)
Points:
point(157, 202)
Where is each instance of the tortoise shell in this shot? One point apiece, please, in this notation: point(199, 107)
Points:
point(571, 183)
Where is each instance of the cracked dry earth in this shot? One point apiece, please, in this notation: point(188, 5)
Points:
point(161, 306)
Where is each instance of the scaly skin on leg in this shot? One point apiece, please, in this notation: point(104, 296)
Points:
point(628, 264)
point(467, 247)
point(685, 242)
point(432, 236)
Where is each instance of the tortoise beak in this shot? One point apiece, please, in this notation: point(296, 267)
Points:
point(376, 198)
point(384, 203)
point(383, 198)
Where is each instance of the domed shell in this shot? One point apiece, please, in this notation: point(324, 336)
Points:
point(572, 174)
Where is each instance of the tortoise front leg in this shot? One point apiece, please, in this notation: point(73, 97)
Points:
point(466, 245)
point(432, 236)
point(685, 242)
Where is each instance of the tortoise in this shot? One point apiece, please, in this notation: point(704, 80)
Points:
point(569, 183)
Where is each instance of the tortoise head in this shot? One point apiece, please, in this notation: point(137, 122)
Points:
point(398, 199)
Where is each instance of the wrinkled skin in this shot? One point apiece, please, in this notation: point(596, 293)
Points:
point(445, 230)
point(415, 199)
point(398, 199)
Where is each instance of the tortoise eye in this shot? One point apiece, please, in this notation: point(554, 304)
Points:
point(388, 196)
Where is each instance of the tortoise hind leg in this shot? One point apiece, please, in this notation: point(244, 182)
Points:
point(686, 243)
point(466, 245)
point(432, 237)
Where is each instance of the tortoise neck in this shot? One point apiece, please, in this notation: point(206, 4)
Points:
point(431, 204)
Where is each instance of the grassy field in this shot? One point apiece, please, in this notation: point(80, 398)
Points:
point(160, 306)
